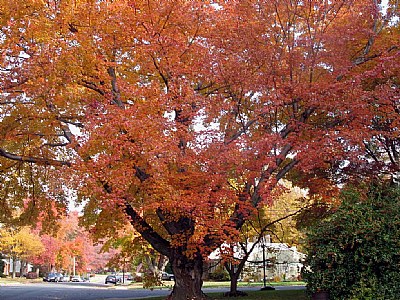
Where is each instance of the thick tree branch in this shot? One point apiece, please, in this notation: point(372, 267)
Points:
point(239, 214)
point(67, 120)
point(283, 171)
point(36, 160)
point(158, 242)
point(182, 226)
point(91, 86)
point(244, 128)
point(163, 76)
point(114, 87)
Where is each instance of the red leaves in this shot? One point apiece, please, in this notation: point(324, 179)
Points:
point(184, 105)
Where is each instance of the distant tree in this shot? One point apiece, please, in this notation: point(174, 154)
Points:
point(47, 259)
point(354, 252)
point(68, 240)
point(131, 251)
point(20, 244)
point(75, 245)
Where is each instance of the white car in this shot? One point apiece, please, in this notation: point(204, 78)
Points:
point(65, 278)
point(76, 279)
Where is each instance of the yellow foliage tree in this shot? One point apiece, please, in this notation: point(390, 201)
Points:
point(20, 244)
point(276, 219)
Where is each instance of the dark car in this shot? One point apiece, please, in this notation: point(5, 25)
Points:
point(50, 277)
point(112, 279)
point(167, 276)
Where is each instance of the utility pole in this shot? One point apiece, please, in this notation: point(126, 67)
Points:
point(123, 272)
point(74, 262)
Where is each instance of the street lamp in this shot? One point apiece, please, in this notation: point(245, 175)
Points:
point(265, 287)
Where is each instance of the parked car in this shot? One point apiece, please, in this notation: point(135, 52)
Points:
point(50, 277)
point(112, 279)
point(125, 277)
point(76, 278)
point(65, 278)
point(167, 276)
point(129, 277)
point(59, 277)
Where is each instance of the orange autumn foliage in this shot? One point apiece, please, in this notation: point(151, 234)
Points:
point(190, 112)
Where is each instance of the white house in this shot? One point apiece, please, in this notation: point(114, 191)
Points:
point(8, 267)
point(281, 261)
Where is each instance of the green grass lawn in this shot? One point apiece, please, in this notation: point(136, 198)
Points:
point(215, 284)
point(270, 295)
point(19, 280)
point(227, 283)
point(259, 295)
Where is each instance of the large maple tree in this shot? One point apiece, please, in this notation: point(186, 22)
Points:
point(190, 112)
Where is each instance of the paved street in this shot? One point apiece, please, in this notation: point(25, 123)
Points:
point(86, 291)
point(73, 291)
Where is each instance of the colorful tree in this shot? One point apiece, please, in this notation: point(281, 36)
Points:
point(176, 100)
point(132, 251)
point(47, 259)
point(20, 244)
point(69, 249)
point(77, 251)
point(276, 220)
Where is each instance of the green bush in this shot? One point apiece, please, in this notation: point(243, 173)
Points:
point(219, 275)
point(355, 252)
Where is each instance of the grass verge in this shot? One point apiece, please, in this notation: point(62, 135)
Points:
point(258, 295)
point(244, 284)
point(270, 295)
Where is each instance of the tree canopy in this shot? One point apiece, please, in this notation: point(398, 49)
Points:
point(181, 117)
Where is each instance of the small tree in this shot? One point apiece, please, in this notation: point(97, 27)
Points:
point(131, 249)
point(353, 253)
point(277, 219)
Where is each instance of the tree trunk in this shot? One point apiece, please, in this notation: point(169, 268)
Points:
point(155, 264)
point(234, 283)
point(188, 276)
point(14, 265)
point(21, 268)
point(234, 273)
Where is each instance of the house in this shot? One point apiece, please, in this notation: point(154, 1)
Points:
point(8, 267)
point(282, 262)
